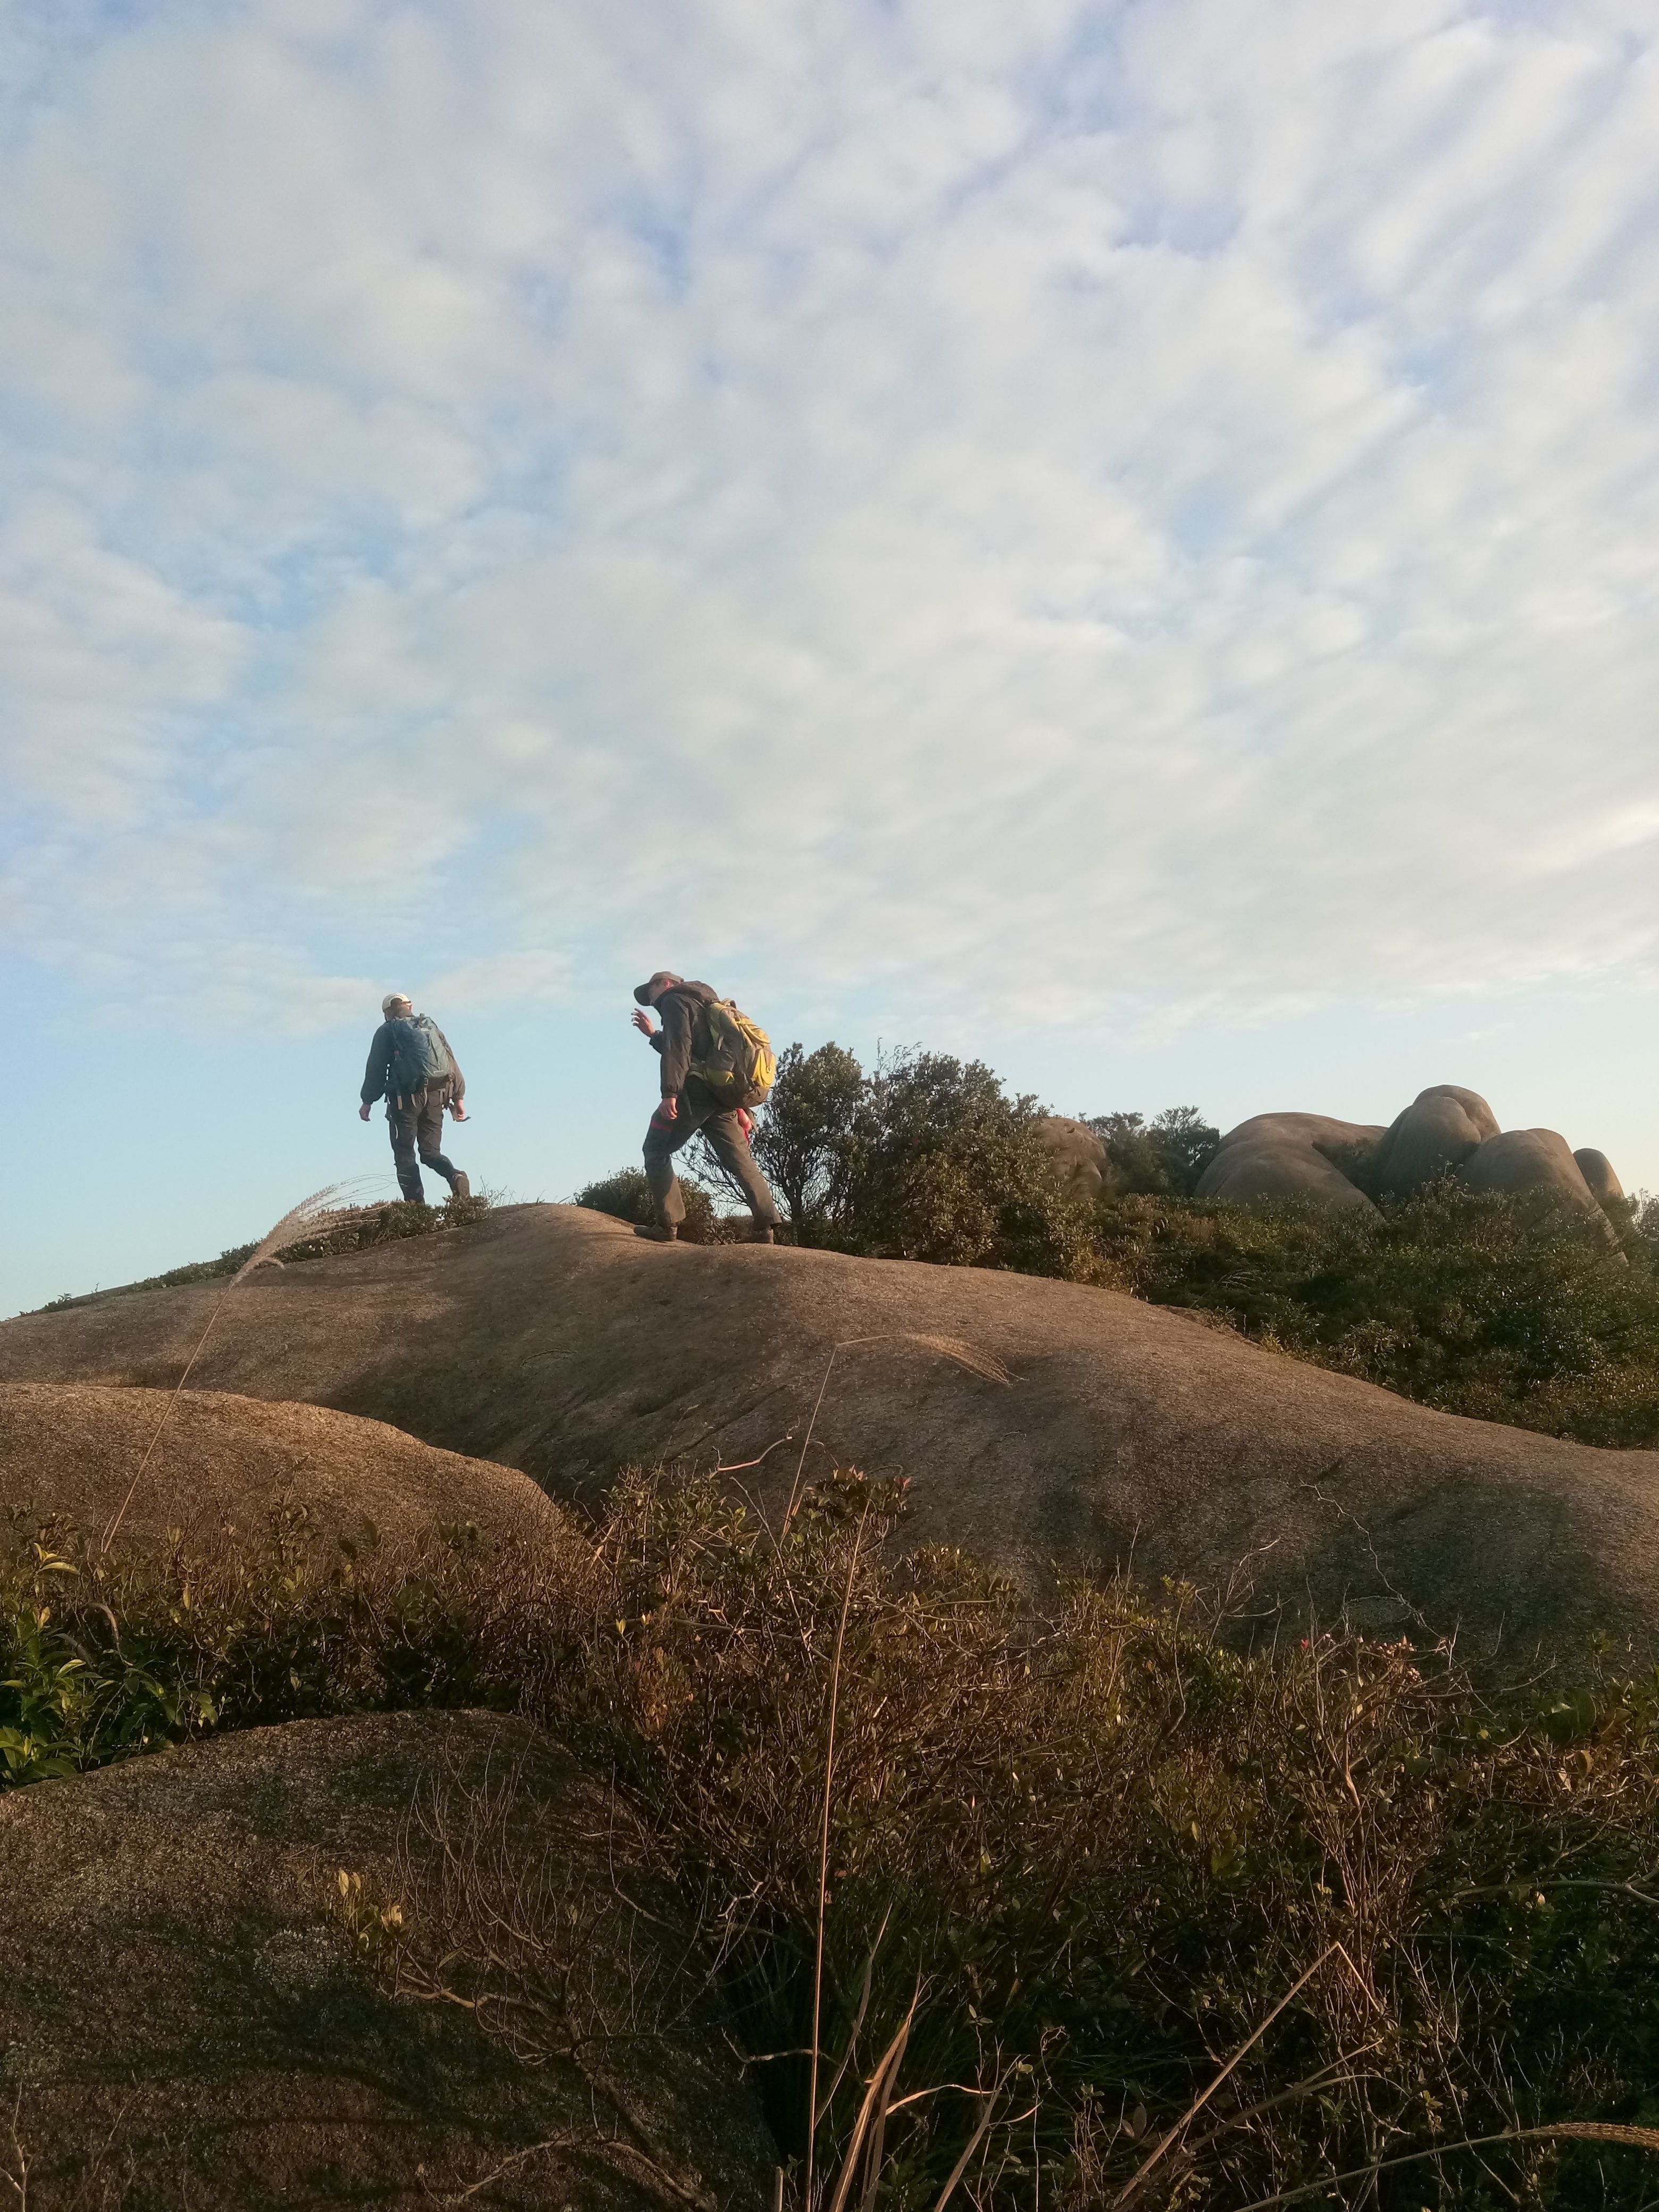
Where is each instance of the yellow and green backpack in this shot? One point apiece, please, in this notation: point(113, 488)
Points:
point(740, 1065)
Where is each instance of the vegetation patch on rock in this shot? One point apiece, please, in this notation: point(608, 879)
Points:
point(1133, 1915)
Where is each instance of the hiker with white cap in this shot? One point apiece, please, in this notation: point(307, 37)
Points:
point(411, 1066)
point(716, 1064)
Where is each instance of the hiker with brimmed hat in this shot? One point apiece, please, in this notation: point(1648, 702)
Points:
point(411, 1066)
point(716, 1064)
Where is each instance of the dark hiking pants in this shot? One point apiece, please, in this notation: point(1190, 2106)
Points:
point(418, 1124)
point(700, 1109)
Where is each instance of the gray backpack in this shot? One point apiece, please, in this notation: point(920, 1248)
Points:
point(419, 1062)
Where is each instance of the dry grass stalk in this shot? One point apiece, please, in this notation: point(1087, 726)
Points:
point(985, 1364)
point(287, 1231)
point(1198, 2103)
point(1606, 2131)
point(823, 1865)
point(869, 2128)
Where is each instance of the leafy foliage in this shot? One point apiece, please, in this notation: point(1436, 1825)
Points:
point(626, 1195)
point(1473, 1303)
point(103, 1656)
point(926, 1158)
point(1164, 1157)
point(805, 1140)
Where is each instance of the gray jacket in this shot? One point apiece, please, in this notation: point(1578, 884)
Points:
point(683, 1036)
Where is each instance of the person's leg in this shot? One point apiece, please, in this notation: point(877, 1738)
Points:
point(731, 1148)
point(429, 1136)
point(400, 1120)
point(662, 1141)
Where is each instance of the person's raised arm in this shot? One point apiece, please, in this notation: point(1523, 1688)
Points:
point(377, 1073)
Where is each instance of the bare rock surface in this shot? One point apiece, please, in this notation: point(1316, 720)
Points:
point(1441, 1128)
point(1597, 1168)
point(1312, 1158)
point(1290, 1156)
point(1079, 1154)
point(1523, 1161)
point(191, 2014)
point(551, 1339)
point(223, 1463)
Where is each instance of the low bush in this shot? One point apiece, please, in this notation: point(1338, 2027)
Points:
point(1164, 1157)
point(1473, 1303)
point(1481, 1304)
point(627, 1196)
point(335, 1229)
point(1090, 1852)
point(926, 1158)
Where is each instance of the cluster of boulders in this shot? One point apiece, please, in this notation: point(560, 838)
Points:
point(1345, 1166)
point(1444, 1130)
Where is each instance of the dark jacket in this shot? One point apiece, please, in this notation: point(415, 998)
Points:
point(683, 1036)
point(377, 1076)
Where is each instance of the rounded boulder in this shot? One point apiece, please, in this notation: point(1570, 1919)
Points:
point(1531, 1162)
point(214, 1466)
point(1597, 1168)
point(1274, 1158)
point(1085, 1168)
point(403, 1960)
point(1440, 1129)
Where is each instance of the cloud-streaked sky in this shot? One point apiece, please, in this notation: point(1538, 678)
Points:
point(1042, 514)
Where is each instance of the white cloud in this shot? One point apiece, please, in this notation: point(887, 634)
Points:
point(973, 498)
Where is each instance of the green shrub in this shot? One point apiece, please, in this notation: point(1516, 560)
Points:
point(1164, 1157)
point(103, 1656)
point(627, 1196)
point(927, 1158)
point(1476, 1304)
point(804, 1138)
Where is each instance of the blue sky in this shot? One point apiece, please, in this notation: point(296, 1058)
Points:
point(1120, 537)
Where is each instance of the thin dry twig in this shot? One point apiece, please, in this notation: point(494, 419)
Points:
point(18, 2182)
point(985, 1364)
point(1205, 2095)
point(823, 1863)
point(1609, 2131)
point(969, 2148)
point(852, 2032)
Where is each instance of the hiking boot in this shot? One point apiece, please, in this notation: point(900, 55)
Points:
point(459, 1186)
point(763, 1232)
point(656, 1235)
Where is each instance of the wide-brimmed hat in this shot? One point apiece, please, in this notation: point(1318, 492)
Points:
point(649, 991)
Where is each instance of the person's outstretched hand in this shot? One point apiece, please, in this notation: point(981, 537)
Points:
point(643, 1022)
point(363, 1113)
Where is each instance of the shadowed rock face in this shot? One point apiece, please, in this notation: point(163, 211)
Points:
point(1440, 1129)
point(552, 1339)
point(220, 1464)
point(1597, 1168)
point(187, 2020)
point(1080, 1154)
point(1525, 1161)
